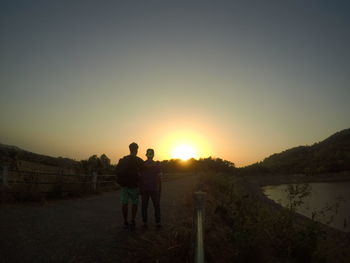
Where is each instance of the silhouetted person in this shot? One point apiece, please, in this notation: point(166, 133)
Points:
point(128, 173)
point(150, 187)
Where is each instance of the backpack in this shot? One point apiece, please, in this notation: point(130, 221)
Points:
point(120, 172)
point(128, 171)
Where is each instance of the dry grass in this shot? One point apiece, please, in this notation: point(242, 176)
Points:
point(242, 228)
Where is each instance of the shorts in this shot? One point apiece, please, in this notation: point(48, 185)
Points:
point(127, 193)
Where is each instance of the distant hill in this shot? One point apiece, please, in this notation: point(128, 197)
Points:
point(9, 154)
point(9, 147)
point(329, 155)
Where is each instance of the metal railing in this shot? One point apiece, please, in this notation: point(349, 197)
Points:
point(199, 198)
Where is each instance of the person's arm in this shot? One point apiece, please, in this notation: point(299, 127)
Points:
point(141, 166)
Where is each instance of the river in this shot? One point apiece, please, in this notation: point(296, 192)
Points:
point(327, 200)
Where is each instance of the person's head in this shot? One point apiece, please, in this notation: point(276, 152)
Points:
point(150, 154)
point(133, 147)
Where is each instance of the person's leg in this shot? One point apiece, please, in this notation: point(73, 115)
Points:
point(134, 196)
point(134, 211)
point(145, 199)
point(156, 204)
point(125, 213)
point(124, 201)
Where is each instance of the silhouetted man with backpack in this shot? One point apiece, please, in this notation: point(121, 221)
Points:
point(128, 174)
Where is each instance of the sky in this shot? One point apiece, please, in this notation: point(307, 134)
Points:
point(239, 80)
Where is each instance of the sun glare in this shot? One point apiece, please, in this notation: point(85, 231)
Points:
point(184, 152)
point(183, 144)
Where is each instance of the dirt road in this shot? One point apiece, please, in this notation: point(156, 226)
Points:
point(79, 230)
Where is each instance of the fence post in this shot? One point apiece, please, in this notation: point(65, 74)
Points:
point(5, 173)
point(59, 184)
point(94, 181)
point(199, 198)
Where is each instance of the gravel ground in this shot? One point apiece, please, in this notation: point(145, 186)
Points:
point(80, 230)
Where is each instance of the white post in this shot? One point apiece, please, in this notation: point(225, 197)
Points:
point(199, 198)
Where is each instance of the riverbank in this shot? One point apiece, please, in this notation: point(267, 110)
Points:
point(256, 229)
point(335, 241)
point(256, 183)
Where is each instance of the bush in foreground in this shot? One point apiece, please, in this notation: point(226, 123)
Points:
point(243, 228)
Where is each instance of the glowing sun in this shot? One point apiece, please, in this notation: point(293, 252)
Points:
point(184, 152)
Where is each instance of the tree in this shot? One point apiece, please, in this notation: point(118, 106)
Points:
point(94, 164)
point(105, 161)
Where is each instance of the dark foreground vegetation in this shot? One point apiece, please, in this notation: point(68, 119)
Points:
point(243, 227)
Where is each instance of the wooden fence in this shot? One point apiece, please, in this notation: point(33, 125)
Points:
point(25, 182)
point(28, 185)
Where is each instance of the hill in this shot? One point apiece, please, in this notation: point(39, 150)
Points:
point(12, 155)
point(329, 155)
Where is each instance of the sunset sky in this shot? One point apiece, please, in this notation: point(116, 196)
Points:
point(238, 80)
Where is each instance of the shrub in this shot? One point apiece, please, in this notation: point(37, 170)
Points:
point(259, 232)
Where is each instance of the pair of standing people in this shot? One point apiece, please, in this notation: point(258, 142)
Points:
point(136, 177)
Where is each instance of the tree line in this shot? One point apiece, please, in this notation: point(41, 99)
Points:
point(102, 165)
point(10, 156)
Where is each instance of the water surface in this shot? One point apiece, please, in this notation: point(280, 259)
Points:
point(322, 201)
